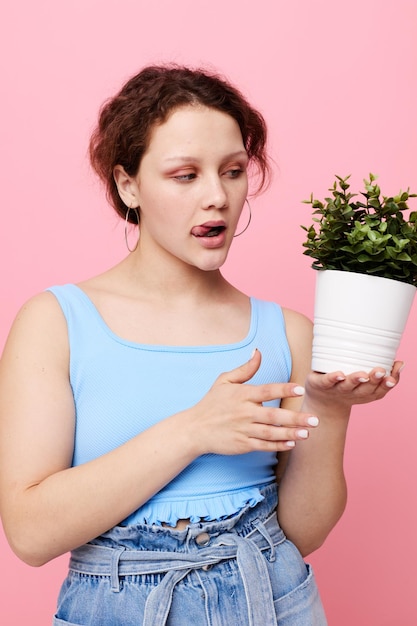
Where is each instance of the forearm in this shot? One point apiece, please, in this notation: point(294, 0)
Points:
point(72, 506)
point(312, 492)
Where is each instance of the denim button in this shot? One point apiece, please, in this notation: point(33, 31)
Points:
point(203, 539)
point(207, 567)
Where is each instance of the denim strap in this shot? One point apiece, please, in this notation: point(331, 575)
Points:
point(252, 564)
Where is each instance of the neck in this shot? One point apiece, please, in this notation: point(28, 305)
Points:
point(171, 281)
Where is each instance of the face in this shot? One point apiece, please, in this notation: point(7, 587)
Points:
point(191, 187)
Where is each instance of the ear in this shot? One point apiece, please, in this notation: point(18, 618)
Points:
point(126, 186)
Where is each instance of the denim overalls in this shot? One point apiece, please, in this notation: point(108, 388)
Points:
point(239, 571)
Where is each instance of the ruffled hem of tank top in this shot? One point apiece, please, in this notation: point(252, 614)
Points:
point(204, 508)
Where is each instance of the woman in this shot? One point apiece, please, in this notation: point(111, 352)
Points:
point(142, 410)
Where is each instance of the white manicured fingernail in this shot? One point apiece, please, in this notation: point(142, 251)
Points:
point(302, 433)
point(313, 421)
point(298, 390)
point(363, 380)
point(380, 374)
point(389, 383)
point(290, 444)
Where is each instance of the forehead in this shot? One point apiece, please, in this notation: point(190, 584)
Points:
point(195, 127)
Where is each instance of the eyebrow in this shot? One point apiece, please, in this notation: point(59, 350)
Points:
point(190, 159)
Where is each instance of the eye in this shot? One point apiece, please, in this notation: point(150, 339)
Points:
point(234, 172)
point(185, 178)
point(235, 169)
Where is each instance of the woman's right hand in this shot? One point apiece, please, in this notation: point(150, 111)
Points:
point(231, 418)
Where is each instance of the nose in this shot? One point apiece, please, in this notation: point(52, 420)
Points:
point(215, 195)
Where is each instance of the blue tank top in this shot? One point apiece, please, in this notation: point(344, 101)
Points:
point(121, 388)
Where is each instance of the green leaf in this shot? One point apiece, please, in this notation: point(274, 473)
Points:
point(403, 257)
point(375, 237)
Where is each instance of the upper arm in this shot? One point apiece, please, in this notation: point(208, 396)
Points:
point(299, 330)
point(36, 403)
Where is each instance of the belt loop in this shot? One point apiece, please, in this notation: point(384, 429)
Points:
point(260, 526)
point(114, 572)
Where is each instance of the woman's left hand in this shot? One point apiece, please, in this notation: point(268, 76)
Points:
point(337, 389)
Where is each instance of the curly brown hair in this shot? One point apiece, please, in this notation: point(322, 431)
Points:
point(126, 120)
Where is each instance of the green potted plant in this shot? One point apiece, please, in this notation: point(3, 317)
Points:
point(365, 249)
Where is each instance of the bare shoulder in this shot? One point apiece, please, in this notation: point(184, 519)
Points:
point(41, 313)
point(299, 329)
point(291, 314)
point(36, 308)
point(40, 321)
point(296, 321)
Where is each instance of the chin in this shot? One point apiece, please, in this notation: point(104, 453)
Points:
point(210, 262)
point(211, 267)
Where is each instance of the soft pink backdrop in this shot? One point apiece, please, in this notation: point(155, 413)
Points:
point(337, 84)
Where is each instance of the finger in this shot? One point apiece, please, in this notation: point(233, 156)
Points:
point(391, 380)
point(262, 445)
point(277, 417)
point(397, 368)
point(244, 372)
point(372, 381)
point(266, 432)
point(326, 381)
point(275, 391)
point(261, 393)
point(376, 375)
point(379, 374)
point(356, 379)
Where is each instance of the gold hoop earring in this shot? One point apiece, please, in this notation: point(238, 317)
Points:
point(126, 224)
point(249, 220)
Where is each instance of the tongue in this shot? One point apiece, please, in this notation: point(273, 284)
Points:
point(201, 231)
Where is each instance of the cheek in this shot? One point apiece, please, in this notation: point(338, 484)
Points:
point(164, 215)
point(153, 203)
point(239, 195)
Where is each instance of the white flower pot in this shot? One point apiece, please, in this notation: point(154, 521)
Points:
point(358, 321)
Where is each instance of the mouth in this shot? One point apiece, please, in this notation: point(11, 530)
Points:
point(209, 229)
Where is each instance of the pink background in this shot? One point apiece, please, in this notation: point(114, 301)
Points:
point(337, 84)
